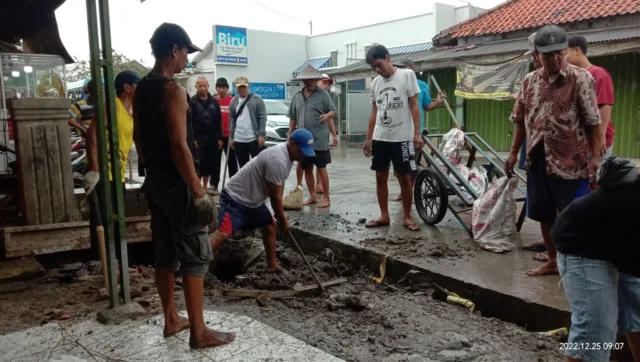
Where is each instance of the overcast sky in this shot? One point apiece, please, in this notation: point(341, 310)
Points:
point(132, 22)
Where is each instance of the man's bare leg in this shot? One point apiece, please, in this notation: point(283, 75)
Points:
point(319, 188)
point(311, 183)
point(382, 192)
point(323, 176)
point(269, 240)
point(399, 197)
point(200, 335)
point(551, 266)
point(218, 239)
point(406, 191)
point(634, 345)
point(205, 182)
point(173, 322)
point(299, 174)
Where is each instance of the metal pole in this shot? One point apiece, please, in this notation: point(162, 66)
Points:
point(103, 189)
point(118, 216)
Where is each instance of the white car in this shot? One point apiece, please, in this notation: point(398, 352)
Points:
point(277, 122)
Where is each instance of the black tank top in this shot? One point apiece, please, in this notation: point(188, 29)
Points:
point(160, 169)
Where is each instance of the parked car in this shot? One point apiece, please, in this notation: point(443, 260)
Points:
point(277, 122)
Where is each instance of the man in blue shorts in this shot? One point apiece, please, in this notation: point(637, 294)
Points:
point(243, 199)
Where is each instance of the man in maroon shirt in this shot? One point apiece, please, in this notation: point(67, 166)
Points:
point(577, 55)
point(222, 87)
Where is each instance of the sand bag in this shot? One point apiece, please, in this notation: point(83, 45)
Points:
point(451, 146)
point(494, 216)
point(293, 201)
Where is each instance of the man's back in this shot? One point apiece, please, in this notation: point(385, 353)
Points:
point(248, 186)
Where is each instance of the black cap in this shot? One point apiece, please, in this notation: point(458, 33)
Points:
point(404, 62)
point(167, 35)
point(222, 82)
point(125, 77)
point(550, 38)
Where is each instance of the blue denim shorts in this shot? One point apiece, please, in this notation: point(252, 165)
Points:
point(235, 217)
point(603, 301)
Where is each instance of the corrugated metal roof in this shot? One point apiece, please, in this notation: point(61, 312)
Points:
point(317, 63)
point(404, 49)
point(498, 47)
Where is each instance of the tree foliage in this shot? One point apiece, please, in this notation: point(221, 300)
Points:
point(81, 69)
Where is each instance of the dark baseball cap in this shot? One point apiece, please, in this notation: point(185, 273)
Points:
point(125, 77)
point(222, 82)
point(551, 38)
point(167, 35)
point(404, 62)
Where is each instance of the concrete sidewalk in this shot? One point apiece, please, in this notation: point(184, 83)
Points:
point(142, 341)
point(353, 196)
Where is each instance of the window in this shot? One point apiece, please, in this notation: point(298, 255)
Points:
point(333, 62)
point(366, 49)
point(357, 85)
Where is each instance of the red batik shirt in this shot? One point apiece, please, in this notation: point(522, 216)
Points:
point(560, 114)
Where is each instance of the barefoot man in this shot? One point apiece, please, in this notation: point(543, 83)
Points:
point(313, 109)
point(243, 199)
point(394, 132)
point(557, 112)
point(180, 208)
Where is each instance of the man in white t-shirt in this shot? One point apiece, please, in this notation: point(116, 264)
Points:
point(394, 132)
point(243, 199)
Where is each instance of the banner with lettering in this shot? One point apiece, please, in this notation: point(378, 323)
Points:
point(231, 45)
point(496, 81)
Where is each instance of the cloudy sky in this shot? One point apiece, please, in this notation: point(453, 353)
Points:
point(132, 22)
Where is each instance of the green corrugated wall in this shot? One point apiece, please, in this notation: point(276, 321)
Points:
point(625, 72)
point(490, 118)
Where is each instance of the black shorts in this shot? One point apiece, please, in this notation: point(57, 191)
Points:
point(401, 154)
point(207, 156)
point(548, 195)
point(320, 161)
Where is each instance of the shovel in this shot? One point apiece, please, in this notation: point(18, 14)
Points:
point(313, 273)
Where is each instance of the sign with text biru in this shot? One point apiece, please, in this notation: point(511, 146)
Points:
point(231, 45)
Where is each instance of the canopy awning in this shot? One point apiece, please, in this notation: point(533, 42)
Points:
point(317, 63)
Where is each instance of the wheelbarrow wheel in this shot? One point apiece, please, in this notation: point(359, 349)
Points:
point(431, 196)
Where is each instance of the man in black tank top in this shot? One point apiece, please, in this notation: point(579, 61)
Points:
point(180, 209)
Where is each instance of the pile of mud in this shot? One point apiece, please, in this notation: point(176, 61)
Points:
point(420, 247)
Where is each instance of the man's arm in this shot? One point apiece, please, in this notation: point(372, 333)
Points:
point(418, 142)
point(437, 103)
point(275, 197)
point(261, 115)
point(175, 99)
point(587, 101)
point(232, 119)
point(372, 125)
point(217, 120)
point(293, 123)
point(73, 121)
point(137, 140)
point(517, 117)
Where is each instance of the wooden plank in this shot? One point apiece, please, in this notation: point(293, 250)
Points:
point(55, 177)
point(48, 239)
point(307, 290)
point(41, 173)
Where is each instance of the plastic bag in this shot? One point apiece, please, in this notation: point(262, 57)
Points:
point(451, 146)
point(494, 216)
point(293, 201)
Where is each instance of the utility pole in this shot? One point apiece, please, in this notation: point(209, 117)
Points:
point(311, 26)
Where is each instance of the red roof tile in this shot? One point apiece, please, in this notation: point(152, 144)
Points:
point(524, 14)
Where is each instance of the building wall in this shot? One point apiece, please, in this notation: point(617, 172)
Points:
point(272, 57)
point(416, 29)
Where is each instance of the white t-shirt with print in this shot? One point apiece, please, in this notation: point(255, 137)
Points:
point(394, 121)
point(244, 128)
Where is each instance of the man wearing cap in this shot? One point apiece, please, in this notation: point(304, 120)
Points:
point(180, 209)
point(557, 112)
point(312, 108)
point(125, 84)
point(243, 199)
point(81, 112)
point(222, 89)
point(247, 122)
point(207, 129)
point(425, 103)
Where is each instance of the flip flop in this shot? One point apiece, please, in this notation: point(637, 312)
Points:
point(409, 227)
point(543, 257)
point(376, 224)
point(536, 246)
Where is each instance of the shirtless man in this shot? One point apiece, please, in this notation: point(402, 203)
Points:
point(180, 208)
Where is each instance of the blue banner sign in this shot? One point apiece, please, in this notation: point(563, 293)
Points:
point(231, 45)
point(267, 90)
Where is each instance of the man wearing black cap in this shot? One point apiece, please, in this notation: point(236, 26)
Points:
point(222, 90)
point(557, 112)
point(180, 208)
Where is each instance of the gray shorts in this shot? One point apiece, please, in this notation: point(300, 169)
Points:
point(181, 245)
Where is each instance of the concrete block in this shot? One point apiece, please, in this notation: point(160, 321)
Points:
point(20, 269)
point(120, 313)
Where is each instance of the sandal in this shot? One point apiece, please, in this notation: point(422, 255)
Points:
point(376, 224)
point(412, 227)
point(543, 257)
point(535, 246)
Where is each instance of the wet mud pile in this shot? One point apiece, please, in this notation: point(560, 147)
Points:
point(420, 247)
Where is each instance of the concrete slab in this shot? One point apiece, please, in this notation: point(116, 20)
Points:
point(353, 197)
point(142, 341)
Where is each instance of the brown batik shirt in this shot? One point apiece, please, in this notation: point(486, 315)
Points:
point(561, 115)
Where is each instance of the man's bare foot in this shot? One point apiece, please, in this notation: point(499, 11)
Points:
point(324, 203)
point(309, 201)
point(174, 325)
point(397, 198)
point(548, 268)
point(274, 268)
point(210, 338)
